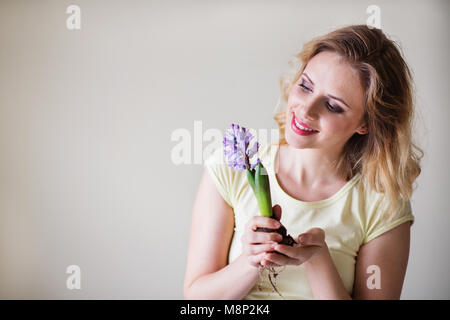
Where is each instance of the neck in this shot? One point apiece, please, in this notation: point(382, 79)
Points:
point(311, 167)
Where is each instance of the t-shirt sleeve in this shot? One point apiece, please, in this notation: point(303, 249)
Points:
point(221, 174)
point(378, 222)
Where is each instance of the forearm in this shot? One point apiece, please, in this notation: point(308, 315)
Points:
point(232, 282)
point(324, 278)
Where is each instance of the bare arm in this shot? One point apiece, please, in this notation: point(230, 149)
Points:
point(389, 252)
point(207, 274)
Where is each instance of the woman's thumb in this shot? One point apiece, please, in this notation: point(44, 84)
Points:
point(313, 237)
point(276, 211)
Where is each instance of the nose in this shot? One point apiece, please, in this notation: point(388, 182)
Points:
point(309, 110)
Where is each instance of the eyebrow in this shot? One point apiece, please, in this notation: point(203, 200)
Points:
point(329, 95)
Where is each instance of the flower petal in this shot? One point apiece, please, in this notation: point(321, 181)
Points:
point(255, 164)
point(253, 150)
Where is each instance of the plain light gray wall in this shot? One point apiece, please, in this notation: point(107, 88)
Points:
point(86, 119)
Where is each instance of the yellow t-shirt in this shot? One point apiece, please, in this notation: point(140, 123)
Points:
point(350, 218)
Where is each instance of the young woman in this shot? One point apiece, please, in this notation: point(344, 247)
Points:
point(341, 176)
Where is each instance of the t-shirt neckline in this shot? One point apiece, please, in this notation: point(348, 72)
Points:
point(319, 203)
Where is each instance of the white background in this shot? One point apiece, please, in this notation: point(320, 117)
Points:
point(86, 117)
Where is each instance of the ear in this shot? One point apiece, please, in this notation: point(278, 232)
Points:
point(362, 129)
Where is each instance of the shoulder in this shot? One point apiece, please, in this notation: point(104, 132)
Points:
point(374, 211)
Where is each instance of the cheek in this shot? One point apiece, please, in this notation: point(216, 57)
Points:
point(294, 96)
point(288, 117)
point(333, 125)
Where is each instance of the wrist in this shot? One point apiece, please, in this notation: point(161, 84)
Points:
point(322, 255)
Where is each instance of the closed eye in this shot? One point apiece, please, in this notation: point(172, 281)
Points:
point(333, 108)
point(330, 107)
point(302, 85)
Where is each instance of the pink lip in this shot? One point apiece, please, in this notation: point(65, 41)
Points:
point(300, 131)
point(303, 124)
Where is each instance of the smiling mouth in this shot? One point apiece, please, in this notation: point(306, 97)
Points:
point(300, 127)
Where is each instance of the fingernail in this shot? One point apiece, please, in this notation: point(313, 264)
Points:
point(304, 239)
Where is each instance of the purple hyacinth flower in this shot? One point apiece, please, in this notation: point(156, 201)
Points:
point(236, 144)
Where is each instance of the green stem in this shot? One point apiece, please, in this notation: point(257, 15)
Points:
point(259, 181)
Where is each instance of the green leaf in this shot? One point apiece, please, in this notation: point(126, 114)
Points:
point(251, 178)
point(262, 191)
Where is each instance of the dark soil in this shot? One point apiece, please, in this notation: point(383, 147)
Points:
point(287, 239)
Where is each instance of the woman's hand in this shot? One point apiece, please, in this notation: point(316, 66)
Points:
point(256, 244)
point(309, 244)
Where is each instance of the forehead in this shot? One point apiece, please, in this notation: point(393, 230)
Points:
point(333, 75)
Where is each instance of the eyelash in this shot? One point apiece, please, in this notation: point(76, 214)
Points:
point(330, 107)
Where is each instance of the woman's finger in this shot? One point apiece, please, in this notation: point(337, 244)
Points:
point(260, 260)
point(267, 263)
point(263, 222)
point(280, 259)
point(312, 237)
point(264, 237)
point(299, 253)
point(288, 251)
point(276, 211)
point(256, 259)
point(258, 248)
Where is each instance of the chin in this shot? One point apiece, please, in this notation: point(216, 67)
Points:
point(293, 141)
